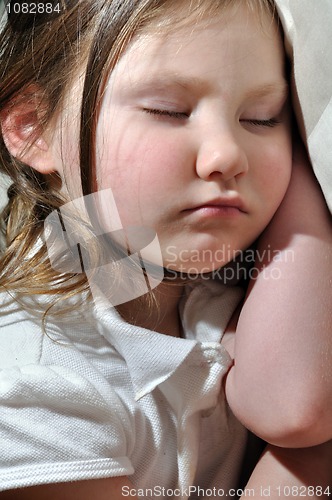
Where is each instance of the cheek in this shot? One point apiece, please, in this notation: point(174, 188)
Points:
point(275, 172)
point(142, 161)
point(143, 171)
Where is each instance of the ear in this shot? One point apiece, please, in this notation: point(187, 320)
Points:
point(22, 133)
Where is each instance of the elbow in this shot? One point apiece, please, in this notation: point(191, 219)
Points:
point(302, 427)
point(299, 421)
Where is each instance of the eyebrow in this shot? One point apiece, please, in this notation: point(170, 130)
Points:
point(166, 81)
point(173, 81)
point(269, 89)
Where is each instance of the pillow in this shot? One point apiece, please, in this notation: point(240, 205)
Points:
point(307, 25)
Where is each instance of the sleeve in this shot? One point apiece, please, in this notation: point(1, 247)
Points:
point(307, 27)
point(56, 426)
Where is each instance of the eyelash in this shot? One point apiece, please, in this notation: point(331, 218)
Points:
point(178, 115)
point(272, 122)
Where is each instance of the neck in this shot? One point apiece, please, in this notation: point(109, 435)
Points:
point(159, 313)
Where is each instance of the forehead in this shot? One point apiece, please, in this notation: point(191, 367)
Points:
point(235, 40)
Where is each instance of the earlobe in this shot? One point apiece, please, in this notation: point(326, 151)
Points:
point(23, 136)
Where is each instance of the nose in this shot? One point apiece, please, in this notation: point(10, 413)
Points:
point(221, 154)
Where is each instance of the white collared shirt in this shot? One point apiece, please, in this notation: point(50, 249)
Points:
point(97, 397)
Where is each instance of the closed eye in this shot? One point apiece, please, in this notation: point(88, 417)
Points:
point(272, 122)
point(178, 115)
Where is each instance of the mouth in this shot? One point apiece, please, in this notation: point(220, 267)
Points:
point(221, 206)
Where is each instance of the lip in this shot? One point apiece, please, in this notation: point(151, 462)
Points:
point(226, 205)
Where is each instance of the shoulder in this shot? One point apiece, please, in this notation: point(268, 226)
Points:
point(20, 333)
point(61, 354)
point(67, 406)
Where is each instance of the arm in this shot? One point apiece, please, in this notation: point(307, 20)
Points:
point(99, 489)
point(280, 386)
point(282, 473)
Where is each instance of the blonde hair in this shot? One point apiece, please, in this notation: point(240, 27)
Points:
point(40, 56)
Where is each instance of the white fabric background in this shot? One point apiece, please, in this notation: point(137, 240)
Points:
point(307, 25)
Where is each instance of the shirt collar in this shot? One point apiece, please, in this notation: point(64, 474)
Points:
point(153, 357)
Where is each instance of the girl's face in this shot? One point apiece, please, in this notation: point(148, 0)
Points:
point(194, 137)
